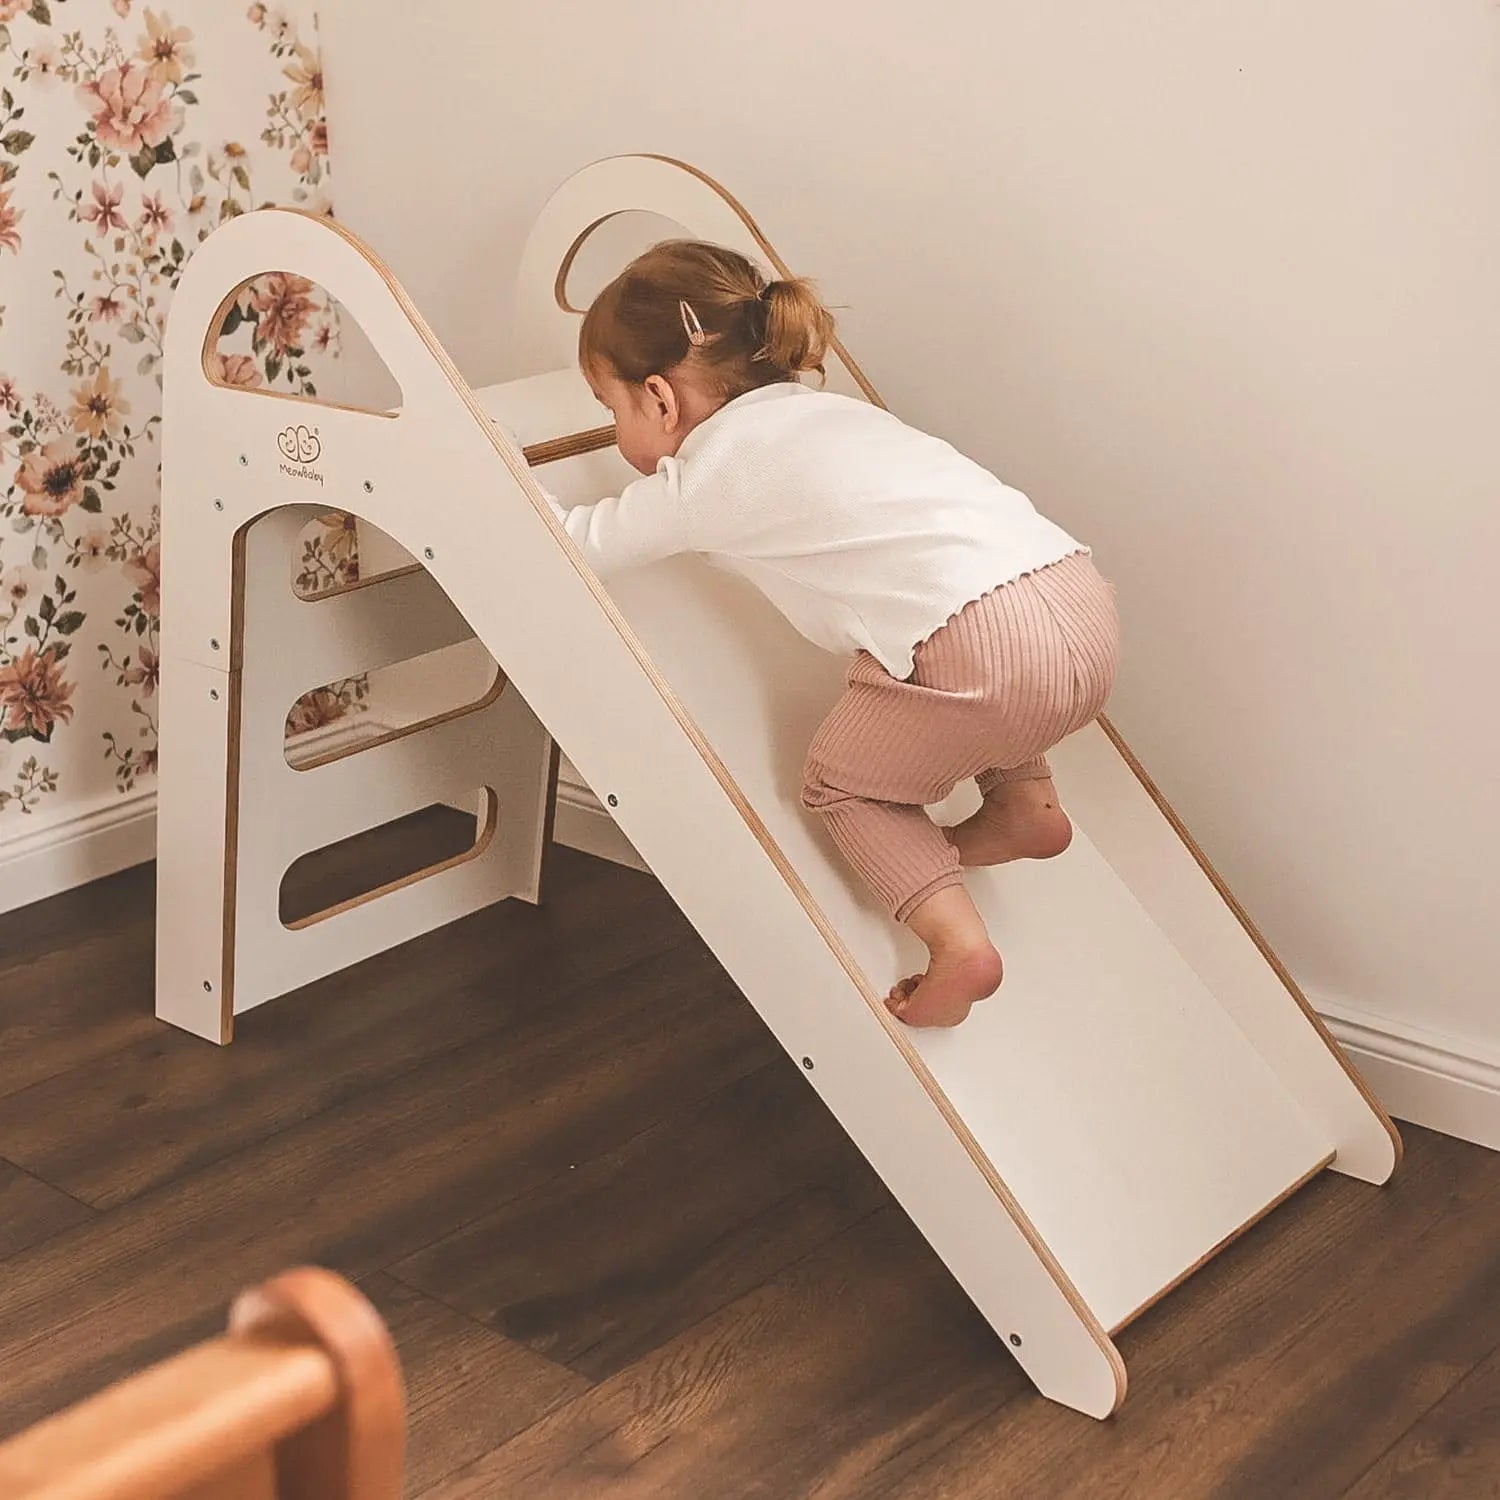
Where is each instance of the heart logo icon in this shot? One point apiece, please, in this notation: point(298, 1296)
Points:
point(299, 444)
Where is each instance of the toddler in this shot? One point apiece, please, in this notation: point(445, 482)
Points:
point(981, 633)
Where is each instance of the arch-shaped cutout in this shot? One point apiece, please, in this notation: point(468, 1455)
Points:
point(603, 249)
point(281, 335)
point(336, 878)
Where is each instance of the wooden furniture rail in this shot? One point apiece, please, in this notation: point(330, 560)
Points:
point(300, 1400)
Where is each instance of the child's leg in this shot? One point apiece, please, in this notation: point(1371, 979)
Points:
point(887, 749)
point(1020, 818)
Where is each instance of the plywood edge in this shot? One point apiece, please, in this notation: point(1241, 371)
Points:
point(1215, 1250)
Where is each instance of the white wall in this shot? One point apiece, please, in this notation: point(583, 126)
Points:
point(1219, 285)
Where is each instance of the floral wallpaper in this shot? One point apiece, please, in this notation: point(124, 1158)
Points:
point(127, 133)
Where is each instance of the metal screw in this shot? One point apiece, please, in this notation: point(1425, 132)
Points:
point(214, 694)
point(244, 462)
point(208, 986)
point(369, 487)
point(218, 505)
point(613, 800)
point(807, 1063)
point(428, 553)
point(213, 645)
point(1015, 1339)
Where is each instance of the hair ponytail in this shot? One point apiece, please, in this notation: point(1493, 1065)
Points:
point(798, 326)
point(688, 303)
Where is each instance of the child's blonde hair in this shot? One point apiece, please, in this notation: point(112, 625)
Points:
point(688, 303)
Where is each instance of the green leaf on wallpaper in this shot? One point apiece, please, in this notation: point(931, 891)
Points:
point(39, 557)
point(166, 151)
point(232, 320)
point(132, 333)
point(147, 364)
point(91, 502)
point(32, 628)
point(22, 524)
point(16, 141)
point(142, 161)
point(186, 95)
point(41, 12)
point(7, 99)
point(60, 650)
point(8, 169)
point(241, 176)
point(69, 621)
point(46, 609)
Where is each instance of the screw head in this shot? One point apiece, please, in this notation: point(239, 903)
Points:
point(613, 800)
point(369, 487)
point(1015, 1340)
point(428, 553)
point(214, 694)
point(213, 645)
point(807, 1063)
point(208, 986)
point(244, 461)
point(218, 505)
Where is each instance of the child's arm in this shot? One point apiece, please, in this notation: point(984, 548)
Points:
point(644, 523)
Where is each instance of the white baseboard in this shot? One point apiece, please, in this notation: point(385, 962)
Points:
point(1450, 1084)
point(97, 840)
point(584, 823)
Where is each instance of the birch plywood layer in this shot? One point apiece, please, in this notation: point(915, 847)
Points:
point(1146, 1086)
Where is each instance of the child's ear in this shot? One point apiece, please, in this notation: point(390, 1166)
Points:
point(659, 391)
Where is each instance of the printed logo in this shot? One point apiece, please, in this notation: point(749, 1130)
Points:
point(299, 446)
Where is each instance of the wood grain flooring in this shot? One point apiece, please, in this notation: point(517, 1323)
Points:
point(625, 1252)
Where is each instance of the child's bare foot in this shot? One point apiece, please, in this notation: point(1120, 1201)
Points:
point(963, 968)
point(1018, 820)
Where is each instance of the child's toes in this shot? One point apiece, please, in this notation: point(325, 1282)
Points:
point(901, 993)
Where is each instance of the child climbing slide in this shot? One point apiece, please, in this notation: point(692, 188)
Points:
point(980, 634)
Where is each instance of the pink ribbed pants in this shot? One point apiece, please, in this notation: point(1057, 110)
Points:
point(994, 689)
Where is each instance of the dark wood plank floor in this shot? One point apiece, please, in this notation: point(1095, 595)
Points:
point(625, 1252)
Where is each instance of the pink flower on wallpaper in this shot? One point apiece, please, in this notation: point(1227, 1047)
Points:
point(155, 215)
point(318, 136)
point(10, 396)
point(10, 216)
point(165, 49)
point(106, 308)
point(10, 9)
point(315, 709)
point(284, 305)
point(234, 369)
point(129, 108)
point(18, 585)
point(51, 478)
point(144, 673)
point(144, 571)
point(33, 696)
point(104, 211)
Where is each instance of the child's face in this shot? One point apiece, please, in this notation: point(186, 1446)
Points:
point(648, 419)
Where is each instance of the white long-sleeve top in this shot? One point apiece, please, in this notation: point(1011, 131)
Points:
point(865, 533)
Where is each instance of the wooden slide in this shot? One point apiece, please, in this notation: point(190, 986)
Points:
point(1148, 1082)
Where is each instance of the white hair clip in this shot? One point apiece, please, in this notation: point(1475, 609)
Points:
point(696, 336)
